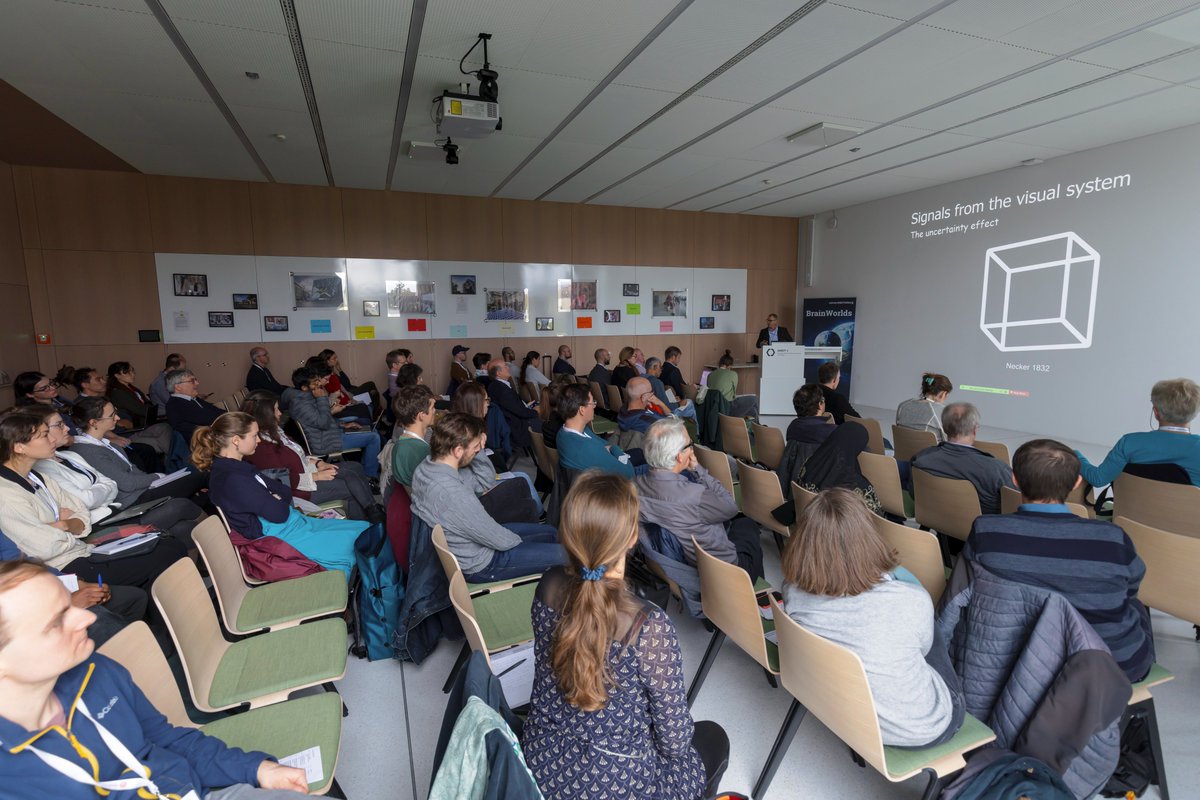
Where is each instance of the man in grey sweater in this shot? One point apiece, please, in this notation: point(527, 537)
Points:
point(486, 550)
point(957, 457)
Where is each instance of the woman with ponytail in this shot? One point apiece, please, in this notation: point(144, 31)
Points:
point(258, 506)
point(924, 413)
point(608, 715)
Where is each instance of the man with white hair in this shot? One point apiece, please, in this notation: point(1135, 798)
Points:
point(957, 457)
point(259, 377)
point(681, 496)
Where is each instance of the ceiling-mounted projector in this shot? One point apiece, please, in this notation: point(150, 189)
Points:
point(464, 116)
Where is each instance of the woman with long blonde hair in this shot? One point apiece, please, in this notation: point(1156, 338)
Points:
point(609, 716)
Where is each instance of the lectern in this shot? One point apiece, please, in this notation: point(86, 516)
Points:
point(783, 374)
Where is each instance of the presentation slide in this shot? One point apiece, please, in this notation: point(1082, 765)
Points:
point(1053, 296)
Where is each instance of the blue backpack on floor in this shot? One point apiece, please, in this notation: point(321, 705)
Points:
point(376, 596)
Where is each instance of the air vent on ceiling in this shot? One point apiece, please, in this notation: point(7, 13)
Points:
point(823, 134)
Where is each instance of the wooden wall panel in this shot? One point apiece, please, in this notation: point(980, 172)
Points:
point(26, 206)
point(384, 224)
point(92, 210)
point(101, 298)
point(17, 350)
point(536, 232)
point(664, 238)
point(192, 215)
point(773, 242)
point(12, 260)
point(603, 235)
point(146, 359)
point(292, 220)
point(722, 240)
point(464, 228)
point(39, 298)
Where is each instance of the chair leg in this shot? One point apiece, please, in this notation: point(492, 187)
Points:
point(335, 791)
point(859, 760)
point(944, 544)
point(463, 655)
point(710, 655)
point(778, 540)
point(934, 788)
point(771, 678)
point(791, 724)
point(1155, 744)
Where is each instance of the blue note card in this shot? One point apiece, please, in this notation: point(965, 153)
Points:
point(320, 326)
point(458, 331)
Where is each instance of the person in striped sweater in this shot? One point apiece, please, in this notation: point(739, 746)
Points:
point(1092, 563)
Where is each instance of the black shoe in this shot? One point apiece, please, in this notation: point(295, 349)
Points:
point(376, 514)
point(374, 484)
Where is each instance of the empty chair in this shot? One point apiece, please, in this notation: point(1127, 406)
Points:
point(545, 457)
point(735, 438)
point(491, 627)
point(597, 394)
point(874, 433)
point(1010, 501)
point(1173, 507)
point(730, 602)
point(829, 681)
point(769, 443)
point(909, 442)
point(761, 494)
point(919, 553)
point(615, 401)
point(946, 505)
point(998, 450)
point(260, 670)
point(884, 475)
point(281, 729)
point(272, 606)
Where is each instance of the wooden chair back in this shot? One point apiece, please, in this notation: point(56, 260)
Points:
point(450, 564)
point(728, 599)
point(135, 648)
point(761, 494)
point(717, 463)
point(998, 450)
point(615, 401)
point(1172, 563)
point(530, 392)
point(183, 600)
point(224, 567)
point(908, 442)
point(769, 443)
point(874, 433)
point(1010, 501)
point(464, 607)
point(1173, 507)
point(735, 438)
point(884, 475)
point(919, 553)
point(225, 522)
point(801, 498)
point(947, 505)
point(597, 394)
point(689, 391)
point(547, 459)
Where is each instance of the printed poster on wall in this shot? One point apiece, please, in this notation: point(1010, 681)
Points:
point(829, 322)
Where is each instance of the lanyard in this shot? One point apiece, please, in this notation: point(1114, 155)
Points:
point(144, 786)
point(41, 491)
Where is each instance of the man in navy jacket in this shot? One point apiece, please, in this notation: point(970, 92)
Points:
point(518, 415)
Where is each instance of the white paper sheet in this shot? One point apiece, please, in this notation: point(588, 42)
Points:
point(514, 668)
point(308, 760)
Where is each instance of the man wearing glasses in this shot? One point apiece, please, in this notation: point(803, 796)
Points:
point(185, 410)
point(773, 332)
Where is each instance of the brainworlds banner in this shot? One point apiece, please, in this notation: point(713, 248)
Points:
point(829, 322)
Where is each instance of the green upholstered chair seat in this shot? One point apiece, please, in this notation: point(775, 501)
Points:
point(903, 762)
point(1158, 674)
point(282, 601)
point(274, 662)
point(602, 426)
point(504, 618)
point(284, 729)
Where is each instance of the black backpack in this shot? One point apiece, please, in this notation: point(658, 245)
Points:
point(1135, 768)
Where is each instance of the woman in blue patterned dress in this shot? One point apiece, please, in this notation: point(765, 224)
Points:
point(609, 717)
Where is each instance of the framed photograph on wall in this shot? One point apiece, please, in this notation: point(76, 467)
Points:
point(669, 302)
point(318, 291)
point(720, 302)
point(462, 284)
point(370, 308)
point(708, 323)
point(502, 305)
point(631, 289)
point(545, 324)
point(245, 302)
point(220, 319)
point(278, 323)
point(612, 315)
point(190, 284)
point(410, 297)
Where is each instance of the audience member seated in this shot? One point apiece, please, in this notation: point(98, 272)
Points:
point(682, 497)
point(460, 373)
point(341, 405)
point(92, 383)
point(409, 375)
point(132, 403)
point(924, 413)
point(672, 378)
point(529, 370)
point(639, 361)
point(1174, 404)
point(52, 679)
point(600, 373)
point(339, 381)
point(95, 416)
point(186, 411)
point(395, 359)
point(829, 375)
point(562, 364)
point(509, 356)
point(486, 551)
point(310, 478)
point(1090, 562)
point(259, 377)
point(683, 407)
point(159, 393)
point(518, 415)
point(471, 398)
point(579, 448)
point(724, 381)
point(100, 493)
point(49, 524)
point(642, 411)
point(608, 672)
point(415, 414)
point(835, 465)
point(843, 583)
point(480, 362)
point(256, 505)
point(624, 369)
point(957, 457)
point(552, 421)
point(308, 405)
point(809, 426)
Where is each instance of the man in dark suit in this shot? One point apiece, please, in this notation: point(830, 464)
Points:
point(600, 373)
point(671, 377)
point(185, 410)
point(773, 333)
point(259, 378)
point(518, 415)
point(829, 375)
point(562, 366)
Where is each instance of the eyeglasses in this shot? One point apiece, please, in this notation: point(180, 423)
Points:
point(591, 404)
point(108, 416)
point(189, 380)
point(44, 387)
point(57, 425)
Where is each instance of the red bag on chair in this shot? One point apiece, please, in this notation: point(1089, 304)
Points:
point(399, 524)
point(268, 558)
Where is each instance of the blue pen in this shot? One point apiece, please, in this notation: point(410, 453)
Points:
point(99, 580)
